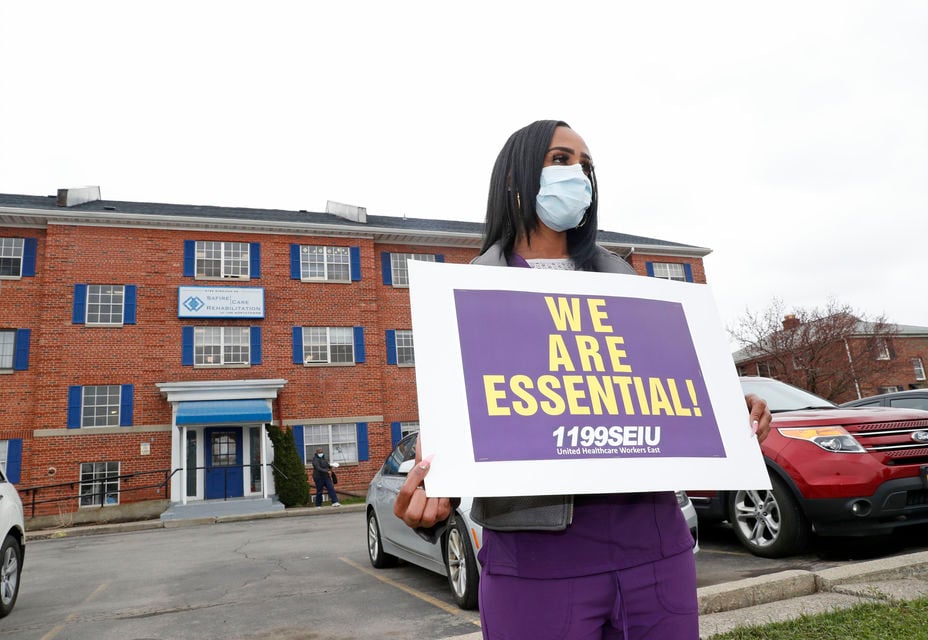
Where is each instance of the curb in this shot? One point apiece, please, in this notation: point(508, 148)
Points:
point(797, 583)
point(144, 525)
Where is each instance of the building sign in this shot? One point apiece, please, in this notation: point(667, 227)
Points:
point(220, 302)
point(543, 382)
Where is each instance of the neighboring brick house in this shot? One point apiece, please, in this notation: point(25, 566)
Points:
point(144, 347)
point(870, 359)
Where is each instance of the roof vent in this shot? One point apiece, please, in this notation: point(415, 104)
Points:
point(76, 196)
point(347, 211)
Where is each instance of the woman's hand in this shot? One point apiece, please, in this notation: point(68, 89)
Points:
point(412, 506)
point(760, 416)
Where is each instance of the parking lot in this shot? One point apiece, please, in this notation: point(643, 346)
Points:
point(287, 578)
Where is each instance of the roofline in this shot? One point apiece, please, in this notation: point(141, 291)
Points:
point(41, 218)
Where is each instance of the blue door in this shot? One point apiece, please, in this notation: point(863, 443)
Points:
point(223, 462)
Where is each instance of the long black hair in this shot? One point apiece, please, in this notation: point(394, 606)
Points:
point(514, 184)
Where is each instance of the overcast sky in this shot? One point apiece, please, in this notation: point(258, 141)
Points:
point(789, 138)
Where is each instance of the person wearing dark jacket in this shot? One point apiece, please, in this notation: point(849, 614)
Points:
point(322, 478)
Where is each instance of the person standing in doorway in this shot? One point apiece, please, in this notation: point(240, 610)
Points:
point(322, 478)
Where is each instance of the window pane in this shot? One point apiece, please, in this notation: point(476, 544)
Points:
point(7, 341)
point(99, 483)
point(338, 260)
point(101, 406)
point(315, 344)
point(344, 443)
point(236, 345)
point(104, 304)
point(398, 265)
point(209, 259)
point(669, 271)
point(408, 427)
point(405, 353)
point(11, 257)
point(919, 368)
point(235, 259)
point(342, 344)
point(312, 263)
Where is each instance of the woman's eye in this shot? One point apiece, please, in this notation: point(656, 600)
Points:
point(587, 168)
point(559, 158)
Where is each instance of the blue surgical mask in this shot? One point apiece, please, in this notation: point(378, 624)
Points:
point(564, 196)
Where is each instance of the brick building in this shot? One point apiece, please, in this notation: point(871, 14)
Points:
point(868, 359)
point(144, 347)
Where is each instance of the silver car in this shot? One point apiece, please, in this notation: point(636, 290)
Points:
point(453, 555)
point(12, 547)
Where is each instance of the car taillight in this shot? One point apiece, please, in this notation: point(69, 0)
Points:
point(834, 439)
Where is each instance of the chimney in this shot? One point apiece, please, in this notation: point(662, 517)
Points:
point(79, 195)
point(790, 322)
point(347, 211)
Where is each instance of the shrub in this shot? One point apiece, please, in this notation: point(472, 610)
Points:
point(289, 471)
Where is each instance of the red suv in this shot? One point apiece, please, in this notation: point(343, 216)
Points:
point(834, 471)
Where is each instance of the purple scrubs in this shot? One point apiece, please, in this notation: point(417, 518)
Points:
point(624, 568)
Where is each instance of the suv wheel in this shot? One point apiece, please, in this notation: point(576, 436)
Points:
point(769, 523)
point(461, 565)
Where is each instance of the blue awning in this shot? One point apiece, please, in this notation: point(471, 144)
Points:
point(223, 411)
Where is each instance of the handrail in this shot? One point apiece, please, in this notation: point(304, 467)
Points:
point(29, 495)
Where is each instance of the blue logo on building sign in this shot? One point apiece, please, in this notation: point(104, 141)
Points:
point(193, 303)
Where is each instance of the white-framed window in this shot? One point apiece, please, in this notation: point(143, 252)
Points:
point(408, 427)
point(100, 406)
point(882, 349)
point(338, 441)
point(765, 369)
point(399, 268)
point(328, 345)
point(7, 348)
point(222, 259)
point(217, 346)
point(328, 264)
point(105, 304)
point(919, 367)
point(669, 271)
point(11, 257)
point(405, 349)
point(99, 484)
point(893, 388)
point(4, 455)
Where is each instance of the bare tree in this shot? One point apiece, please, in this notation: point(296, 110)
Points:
point(826, 351)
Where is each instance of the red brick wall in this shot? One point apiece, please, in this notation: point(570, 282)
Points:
point(149, 352)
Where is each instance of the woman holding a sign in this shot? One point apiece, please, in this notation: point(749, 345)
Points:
point(585, 566)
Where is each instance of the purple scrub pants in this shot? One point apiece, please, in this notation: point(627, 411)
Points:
point(654, 601)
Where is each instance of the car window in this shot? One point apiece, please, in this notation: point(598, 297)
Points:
point(405, 450)
point(867, 404)
point(910, 403)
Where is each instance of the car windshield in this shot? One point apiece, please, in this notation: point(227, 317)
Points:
point(783, 397)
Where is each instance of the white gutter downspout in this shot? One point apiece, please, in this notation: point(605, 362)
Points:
point(263, 462)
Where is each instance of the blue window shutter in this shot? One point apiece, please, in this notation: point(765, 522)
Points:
point(125, 405)
point(128, 311)
point(364, 450)
point(297, 431)
point(14, 459)
point(297, 345)
point(255, 344)
point(21, 354)
point(649, 267)
point(359, 344)
point(355, 261)
point(186, 346)
point(688, 271)
point(254, 252)
point(396, 432)
point(75, 398)
point(30, 248)
point(190, 258)
point(439, 257)
point(387, 270)
point(295, 261)
point(391, 346)
point(80, 304)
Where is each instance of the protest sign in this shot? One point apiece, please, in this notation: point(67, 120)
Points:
point(536, 382)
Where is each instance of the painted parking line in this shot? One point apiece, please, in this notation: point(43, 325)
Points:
point(74, 614)
point(724, 553)
point(444, 606)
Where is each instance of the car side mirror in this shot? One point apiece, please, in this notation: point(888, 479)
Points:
point(406, 466)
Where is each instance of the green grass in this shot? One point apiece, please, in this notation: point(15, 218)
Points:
point(898, 620)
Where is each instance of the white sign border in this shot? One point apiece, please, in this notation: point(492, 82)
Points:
point(443, 413)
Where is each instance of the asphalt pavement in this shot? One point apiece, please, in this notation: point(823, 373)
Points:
point(722, 607)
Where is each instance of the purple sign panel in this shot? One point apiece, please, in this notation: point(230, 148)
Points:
point(551, 376)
